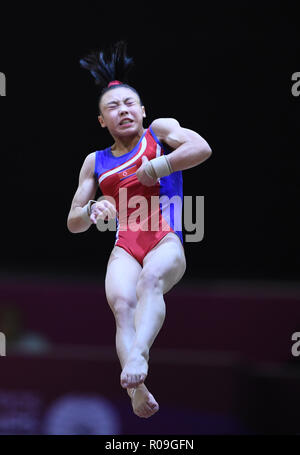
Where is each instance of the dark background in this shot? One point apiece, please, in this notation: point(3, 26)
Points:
point(223, 70)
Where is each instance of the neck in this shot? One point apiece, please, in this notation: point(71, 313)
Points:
point(123, 144)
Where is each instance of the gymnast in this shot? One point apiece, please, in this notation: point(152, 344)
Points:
point(146, 261)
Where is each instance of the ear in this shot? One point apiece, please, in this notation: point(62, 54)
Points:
point(144, 112)
point(101, 121)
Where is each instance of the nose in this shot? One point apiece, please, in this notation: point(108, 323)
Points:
point(123, 109)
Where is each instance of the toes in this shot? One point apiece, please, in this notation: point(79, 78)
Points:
point(130, 386)
point(136, 380)
point(139, 379)
point(152, 407)
point(151, 402)
point(142, 378)
point(127, 382)
point(124, 382)
point(147, 412)
point(132, 380)
point(140, 413)
point(147, 408)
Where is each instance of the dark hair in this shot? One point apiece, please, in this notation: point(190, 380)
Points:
point(109, 65)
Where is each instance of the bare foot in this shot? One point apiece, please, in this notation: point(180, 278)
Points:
point(143, 402)
point(134, 372)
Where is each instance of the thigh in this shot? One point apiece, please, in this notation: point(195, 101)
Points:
point(166, 260)
point(121, 277)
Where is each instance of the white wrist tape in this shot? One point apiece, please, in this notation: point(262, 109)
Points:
point(159, 167)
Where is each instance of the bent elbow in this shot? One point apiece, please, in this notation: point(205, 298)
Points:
point(204, 150)
point(74, 227)
point(70, 226)
point(208, 152)
point(205, 153)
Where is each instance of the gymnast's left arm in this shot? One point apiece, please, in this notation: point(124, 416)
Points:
point(189, 148)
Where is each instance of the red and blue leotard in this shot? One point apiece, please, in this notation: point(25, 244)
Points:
point(117, 173)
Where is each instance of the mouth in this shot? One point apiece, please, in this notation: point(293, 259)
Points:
point(126, 121)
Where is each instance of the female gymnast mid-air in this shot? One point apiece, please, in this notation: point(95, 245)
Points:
point(142, 166)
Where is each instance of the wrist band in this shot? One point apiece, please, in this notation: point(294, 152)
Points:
point(89, 206)
point(159, 167)
point(87, 210)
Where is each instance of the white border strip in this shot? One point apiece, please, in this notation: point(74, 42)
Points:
point(123, 166)
point(158, 150)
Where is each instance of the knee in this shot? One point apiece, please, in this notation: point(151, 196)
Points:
point(178, 265)
point(181, 265)
point(123, 309)
point(149, 279)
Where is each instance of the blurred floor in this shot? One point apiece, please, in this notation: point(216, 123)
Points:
point(222, 363)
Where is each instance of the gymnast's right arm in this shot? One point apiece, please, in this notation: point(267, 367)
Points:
point(78, 219)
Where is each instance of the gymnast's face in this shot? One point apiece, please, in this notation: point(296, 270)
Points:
point(121, 112)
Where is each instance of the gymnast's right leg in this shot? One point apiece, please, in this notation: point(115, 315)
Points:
point(120, 286)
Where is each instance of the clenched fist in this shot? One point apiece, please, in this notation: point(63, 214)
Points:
point(104, 210)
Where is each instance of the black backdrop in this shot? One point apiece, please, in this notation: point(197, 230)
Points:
point(221, 68)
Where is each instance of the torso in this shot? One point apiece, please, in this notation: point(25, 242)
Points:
point(116, 175)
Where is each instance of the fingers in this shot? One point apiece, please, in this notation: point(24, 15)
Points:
point(145, 179)
point(93, 218)
point(103, 210)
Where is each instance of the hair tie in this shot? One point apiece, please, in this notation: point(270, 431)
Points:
point(114, 83)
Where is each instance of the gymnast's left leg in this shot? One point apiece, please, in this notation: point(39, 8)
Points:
point(163, 267)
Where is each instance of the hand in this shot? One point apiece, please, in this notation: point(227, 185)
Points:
point(104, 210)
point(142, 176)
